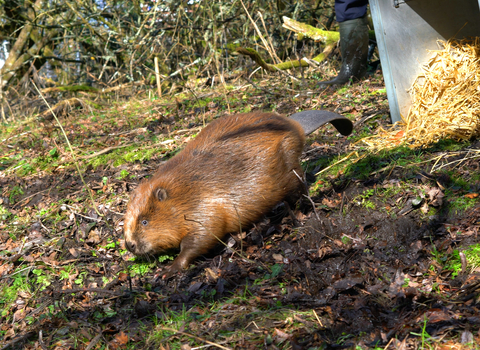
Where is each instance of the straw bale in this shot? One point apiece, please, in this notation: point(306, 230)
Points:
point(445, 99)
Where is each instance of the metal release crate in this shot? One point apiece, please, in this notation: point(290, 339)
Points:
point(407, 29)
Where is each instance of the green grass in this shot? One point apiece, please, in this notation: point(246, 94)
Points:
point(131, 155)
point(461, 204)
point(363, 199)
point(170, 325)
point(48, 163)
point(426, 339)
point(140, 267)
point(4, 213)
point(9, 293)
point(124, 174)
point(472, 255)
point(43, 278)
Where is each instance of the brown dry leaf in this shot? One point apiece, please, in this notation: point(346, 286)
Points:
point(93, 237)
point(424, 208)
point(74, 252)
point(10, 333)
point(24, 294)
point(435, 196)
point(330, 203)
point(119, 342)
point(211, 274)
point(20, 314)
point(338, 243)
point(436, 315)
point(398, 137)
point(29, 258)
point(324, 251)
point(281, 334)
point(399, 345)
point(5, 269)
point(278, 257)
point(50, 259)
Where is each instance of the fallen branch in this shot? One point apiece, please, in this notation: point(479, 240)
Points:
point(254, 55)
point(304, 30)
point(329, 38)
point(106, 150)
point(86, 290)
point(71, 88)
point(123, 86)
point(62, 108)
point(308, 31)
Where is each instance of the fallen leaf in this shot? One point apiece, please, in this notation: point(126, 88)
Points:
point(435, 196)
point(330, 203)
point(424, 208)
point(212, 275)
point(398, 136)
point(119, 342)
point(122, 276)
point(277, 257)
point(29, 258)
point(435, 315)
point(281, 334)
point(347, 283)
point(93, 237)
point(19, 314)
point(466, 337)
point(74, 252)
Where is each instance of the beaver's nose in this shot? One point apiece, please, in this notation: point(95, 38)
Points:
point(130, 246)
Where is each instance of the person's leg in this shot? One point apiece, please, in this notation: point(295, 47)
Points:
point(351, 15)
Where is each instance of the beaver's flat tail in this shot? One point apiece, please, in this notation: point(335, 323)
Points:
point(312, 120)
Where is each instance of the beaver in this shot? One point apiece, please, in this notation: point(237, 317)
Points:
point(226, 179)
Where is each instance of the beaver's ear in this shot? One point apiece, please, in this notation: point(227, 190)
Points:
point(161, 194)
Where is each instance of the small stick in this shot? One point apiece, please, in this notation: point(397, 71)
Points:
point(258, 32)
point(196, 337)
point(341, 204)
point(157, 75)
point(95, 290)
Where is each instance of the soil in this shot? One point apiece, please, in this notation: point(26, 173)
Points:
point(359, 270)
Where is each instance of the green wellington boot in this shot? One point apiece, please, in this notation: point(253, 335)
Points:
point(354, 49)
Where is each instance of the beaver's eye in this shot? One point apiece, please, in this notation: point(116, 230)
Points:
point(144, 222)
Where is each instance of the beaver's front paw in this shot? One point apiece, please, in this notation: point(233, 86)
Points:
point(167, 272)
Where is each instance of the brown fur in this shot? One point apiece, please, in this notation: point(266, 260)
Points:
point(236, 170)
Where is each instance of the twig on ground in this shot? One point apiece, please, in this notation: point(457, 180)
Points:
point(103, 151)
point(342, 203)
point(196, 337)
point(93, 290)
point(263, 89)
point(33, 195)
point(94, 341)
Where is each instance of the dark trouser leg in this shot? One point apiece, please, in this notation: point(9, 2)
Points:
point(354, 49)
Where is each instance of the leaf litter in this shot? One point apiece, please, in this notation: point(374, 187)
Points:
point(365, 269)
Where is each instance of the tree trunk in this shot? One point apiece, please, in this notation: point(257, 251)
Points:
point(11, 64)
